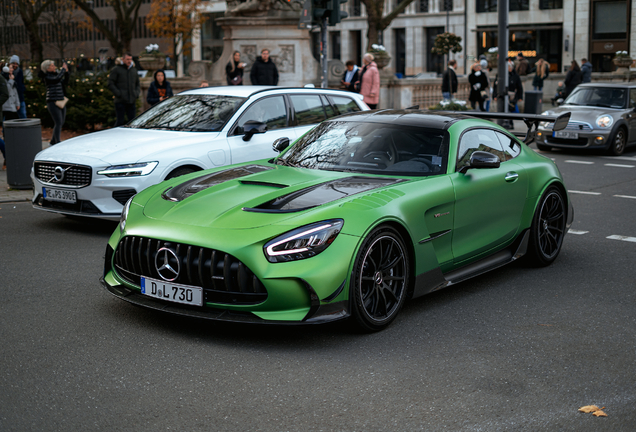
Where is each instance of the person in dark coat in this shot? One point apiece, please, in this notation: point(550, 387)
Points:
point(4, 96)
point(55, 82)
point(449, 81)
point(160, 89)
point(18, 75)
point(586, 71)
point(264, 71)
point(522, 65)
point(478, 87)
point(234, 70)
point(515, 88)
point(542, 70)
point(573, 78)
point(123, 81)
point(351, 76)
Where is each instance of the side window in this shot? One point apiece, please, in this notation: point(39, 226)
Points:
point(632, 98)
point(344, 104)
point(308, 109)
point(270, 111)
point(510, 146)
point(328, 108)
point(478, 140)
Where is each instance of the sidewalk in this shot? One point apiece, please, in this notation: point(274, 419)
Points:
point(14, 195)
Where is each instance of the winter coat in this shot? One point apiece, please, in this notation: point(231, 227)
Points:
point(370, 83)
point(18, 75)
point(354, 78)
point(449, 81)
point(231, 74)
point(572, 79)
point(515, 89)
point(124, 83)
point(156, 91)
point(264, 73)
point(478, 83)
point(4, 92)
point(537, 81)
point(12, 104)
point(586, 72)
point(522, 67)
point(55, 83)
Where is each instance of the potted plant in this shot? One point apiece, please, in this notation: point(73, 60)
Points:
point(622, 61)
point(445, 43)
point(151, 58)
point(492, 56)
point(380, 56)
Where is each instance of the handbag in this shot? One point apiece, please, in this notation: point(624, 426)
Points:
point(237, 80)
point(485, 95)
point(61, 103)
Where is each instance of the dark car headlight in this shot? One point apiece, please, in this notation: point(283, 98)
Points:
point(303, 242)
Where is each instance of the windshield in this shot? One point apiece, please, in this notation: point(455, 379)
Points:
point(372, 148)
point(606, 97)
point(196, 113)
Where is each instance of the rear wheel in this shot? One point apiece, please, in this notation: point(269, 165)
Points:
point(179, 172)
point(548, 228)
point(617, 145)
point(380, 279)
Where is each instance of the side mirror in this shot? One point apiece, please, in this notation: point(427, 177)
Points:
point(252, 127)
point(481, 159)
point(561, 122)
point(280, 144)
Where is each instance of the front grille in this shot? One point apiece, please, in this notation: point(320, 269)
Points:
point(566, 141)
point(122, 196)
point(224, 278)
point(574, 126)
point(74, 175)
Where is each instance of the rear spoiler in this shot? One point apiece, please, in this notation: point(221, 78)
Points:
point(559, 123)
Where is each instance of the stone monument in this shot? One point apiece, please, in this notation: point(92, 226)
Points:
point(250, 26)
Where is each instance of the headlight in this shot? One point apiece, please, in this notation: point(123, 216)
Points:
point(304, 242)
point(124, 214)
point(605, 121)
point(136, 169)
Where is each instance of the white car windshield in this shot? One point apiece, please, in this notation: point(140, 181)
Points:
point(194, 113)
point(606, 97)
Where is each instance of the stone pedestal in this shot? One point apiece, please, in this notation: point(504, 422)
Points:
point(289, 47)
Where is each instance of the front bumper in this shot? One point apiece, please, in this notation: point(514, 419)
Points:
point(595, 139)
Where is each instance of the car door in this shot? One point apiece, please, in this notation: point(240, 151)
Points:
point(308, 111)
point(272, 111)
point(631, 115)
point(488, 201)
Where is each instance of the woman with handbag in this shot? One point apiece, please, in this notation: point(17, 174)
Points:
point(234, 70)
point(56, 100)
point(478, 87)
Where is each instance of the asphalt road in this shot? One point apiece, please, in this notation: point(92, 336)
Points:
point(518, 349)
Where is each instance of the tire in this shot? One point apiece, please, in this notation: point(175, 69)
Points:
point(544, 147)
point(380, 279)
point(618, 143)
point(179, 172)
point(548, 228)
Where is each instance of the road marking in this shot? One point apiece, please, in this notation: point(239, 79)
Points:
point(627, 158)
point(577, 232)
point(579, 162)
point(625, 196)
point(620, 166)
point(624, 238)
point(583, 192)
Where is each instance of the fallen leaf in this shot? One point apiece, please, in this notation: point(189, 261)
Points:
point(589, 408)
point(599, 413)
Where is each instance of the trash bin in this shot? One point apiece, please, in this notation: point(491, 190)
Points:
point(23, 140)
point(533, 102)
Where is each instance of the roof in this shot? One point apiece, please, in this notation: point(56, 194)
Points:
point(609, 85)
point(420, 118)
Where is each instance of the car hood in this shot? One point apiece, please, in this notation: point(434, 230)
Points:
point(253, 195)
point(120, 146)
point(585, 113)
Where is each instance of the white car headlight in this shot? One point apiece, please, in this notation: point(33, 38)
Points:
point(124, 214)
point(605, 121)
point(304, 242)
point(129, 170)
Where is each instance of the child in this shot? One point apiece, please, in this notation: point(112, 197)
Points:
point(559, 92)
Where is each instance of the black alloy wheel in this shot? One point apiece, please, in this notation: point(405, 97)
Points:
point(548, 228)
point(617, 146)
point(380, 278)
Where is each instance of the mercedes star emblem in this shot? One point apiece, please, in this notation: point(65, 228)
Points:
point(167, 264)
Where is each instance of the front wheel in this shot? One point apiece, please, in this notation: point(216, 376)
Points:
point(548, 228)
point(380, 279)
point(617, 146)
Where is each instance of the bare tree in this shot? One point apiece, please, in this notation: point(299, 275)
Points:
point(30, 12)
point(377, 21)
point(61, 16)
point(8, 17)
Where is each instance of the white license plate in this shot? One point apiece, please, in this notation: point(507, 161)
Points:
point(185, 294)
point(566, 135)
point(61, 195)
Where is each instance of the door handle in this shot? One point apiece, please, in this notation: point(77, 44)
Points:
point(511, 177)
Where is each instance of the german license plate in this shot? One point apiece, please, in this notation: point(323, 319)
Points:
point(61, 195)
point(566, 135)
point(163, 290)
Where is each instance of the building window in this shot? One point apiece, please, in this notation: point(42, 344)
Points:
point(400, 52)
point(422, 6)
point(610, 20)
point(211, 37)
point(335, 45)
point(447, 5)
point(514, 5)
point(551, 4)
point(356, 8)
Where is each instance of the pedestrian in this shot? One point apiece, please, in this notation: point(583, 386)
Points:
point(586, 71)
point(56, 99)
point(522, 65)
point(542, 70)
point(123, 81)
point(234, 70)
point(160, 89)
point(351, 76)
point(4, 96)
point(573, 78)
point(514, 90)
point(478, 87)
point(449, 81)
point(370, 81)
point(560, 92)
point(264, 71)
point(18, 74)
point(11, 107)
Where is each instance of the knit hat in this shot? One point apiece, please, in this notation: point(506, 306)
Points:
point(14, 59)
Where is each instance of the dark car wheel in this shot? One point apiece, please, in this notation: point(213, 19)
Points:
point(548, 228)
point(543, 147)
point(380, 279)
point(179, 172)
point(617, 145)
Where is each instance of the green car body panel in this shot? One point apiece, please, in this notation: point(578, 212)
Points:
point(447, 222)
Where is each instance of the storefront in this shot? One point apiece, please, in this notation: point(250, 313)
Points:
point(609, 32)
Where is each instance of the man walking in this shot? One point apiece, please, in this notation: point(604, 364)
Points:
point(522, 65)
point(18, 77)
point(264, 71)
point(586, 71)
point(449, 81)
point(123, 81)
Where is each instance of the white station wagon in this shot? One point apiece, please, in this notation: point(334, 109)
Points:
point(94, 175)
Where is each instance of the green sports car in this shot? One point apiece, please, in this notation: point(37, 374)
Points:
point(357, 216)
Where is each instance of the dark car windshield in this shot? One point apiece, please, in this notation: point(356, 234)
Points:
point(196, 113)
point(372, 148)
point(606, 97)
